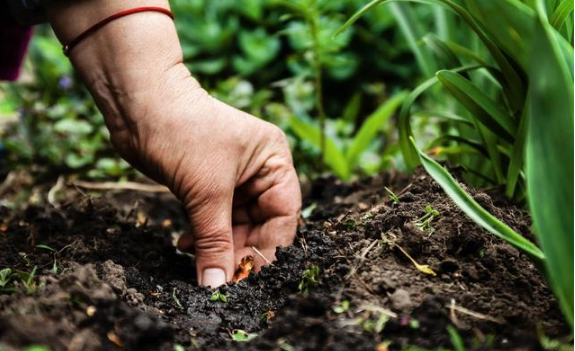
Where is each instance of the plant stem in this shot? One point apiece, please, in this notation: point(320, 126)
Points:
point(312, 16)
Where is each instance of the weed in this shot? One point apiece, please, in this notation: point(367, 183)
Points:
point(392, 195)
point(54, 253)
point(176, 300)
point(309, 279)
point(242, 335)
point(218, 296)
point(5, 277)
point(424, 222)
point(341, 308)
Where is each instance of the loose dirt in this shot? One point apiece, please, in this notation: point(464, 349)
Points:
point(114, 281)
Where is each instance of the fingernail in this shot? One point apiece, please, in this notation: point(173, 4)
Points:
point(213, 277)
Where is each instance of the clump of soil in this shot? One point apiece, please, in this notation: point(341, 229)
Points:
point(113, 279)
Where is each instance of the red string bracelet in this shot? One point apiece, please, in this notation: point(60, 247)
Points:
point(107, 20)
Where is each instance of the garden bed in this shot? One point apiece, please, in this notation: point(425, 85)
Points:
point(109, 278)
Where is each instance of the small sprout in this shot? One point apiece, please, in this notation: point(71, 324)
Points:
point(178, 347)
point(350, 224)
point(5, 277)
point(456, 339)
point(309, 279)
point(392, 195)
point(414, 324)
point(367, 216)
point(51, 249)
point(423, 268)
point(29, 281)
point(424, 223)
point(176, 300)
point(242, 335)
point(306, 212)
point(375, 325)
point(218, 296)
point(284, 346)
point(341, 308)
point(244, 268)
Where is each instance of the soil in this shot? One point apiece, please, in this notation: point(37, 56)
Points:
point(114, 281)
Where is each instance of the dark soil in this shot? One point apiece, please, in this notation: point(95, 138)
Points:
point(120, 284)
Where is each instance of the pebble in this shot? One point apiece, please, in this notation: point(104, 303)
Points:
point(400, 300)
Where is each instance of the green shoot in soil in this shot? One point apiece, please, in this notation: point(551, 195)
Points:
point(5, 277)
point(309, 279)
point(242, 335)
point(392, 195)
point(176, 300)
point(424, 223)
point(54, 252)
point(456, 339)
point(341, 308)
point(29, 281)
point(217, 295)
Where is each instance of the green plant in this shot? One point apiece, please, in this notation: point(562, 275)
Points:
point(54, 253)
point(5, 277)
point(218, 296)
point(512, 114)
point(392, 195)
point(343, 160)
point(176, 300)
point(342, 307)
point(309, 279)
point(242, 335)
point(424, 222)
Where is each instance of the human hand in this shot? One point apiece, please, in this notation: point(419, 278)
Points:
point(232, 171)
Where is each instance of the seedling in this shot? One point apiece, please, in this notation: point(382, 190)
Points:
point(267, 316)
point(309, 279)
point(392, 195)
point(242, 335)
point(28, 281)
point(5, 277)
point(178, 347)
point(456, 339)
point(176, 300)
point(54, 253)
point(341, 308)
point(218, 296)
point(423, 268)
point(375, 325)
point(424, 223)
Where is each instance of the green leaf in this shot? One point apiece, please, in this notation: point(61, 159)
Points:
point(517, 154)
point(370, 127)
point(549, 160)
point(45, 247)
point(442, 51)
point(474, 211)
point(242, 335)
point(334, 158)
point(479, 104)
point(410, 26)
point(561, 14)
point(456, 340)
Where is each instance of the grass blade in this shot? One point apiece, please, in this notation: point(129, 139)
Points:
point(370, 127)
point(479, 104)
point(334, 158)
point(549, 160)
point(474, 211)
point(411, 29)
point(561, 13)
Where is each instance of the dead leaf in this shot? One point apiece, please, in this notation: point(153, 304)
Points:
point(244, 268)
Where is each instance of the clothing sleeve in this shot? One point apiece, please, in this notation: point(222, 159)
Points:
point(27, 12)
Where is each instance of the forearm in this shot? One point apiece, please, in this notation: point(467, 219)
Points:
point(127, 63)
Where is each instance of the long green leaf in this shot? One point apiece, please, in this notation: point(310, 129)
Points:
point(561, 14)
point(442, 51)
point(404, 124)
point(549, 160)
point(474, 211)
point(372, 125)
point(480, 105)
point(513, 86)
point(517, 152)
point(334, 158)
point(411, 29)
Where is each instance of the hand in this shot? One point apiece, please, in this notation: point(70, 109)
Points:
point(233, 172)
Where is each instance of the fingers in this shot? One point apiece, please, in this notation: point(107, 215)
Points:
point(212, 241)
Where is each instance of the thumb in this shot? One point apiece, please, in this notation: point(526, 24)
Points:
point(213, 241)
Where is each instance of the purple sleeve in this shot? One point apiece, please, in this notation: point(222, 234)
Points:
point(14, 40)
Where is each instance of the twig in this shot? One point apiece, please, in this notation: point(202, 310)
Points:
point(261, 255)
point(147, 188)
point(361, 259)
point(473, 314)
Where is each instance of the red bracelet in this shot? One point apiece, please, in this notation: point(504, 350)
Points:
point(107, 20)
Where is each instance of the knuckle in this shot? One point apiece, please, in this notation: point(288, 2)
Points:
point(213, 244)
